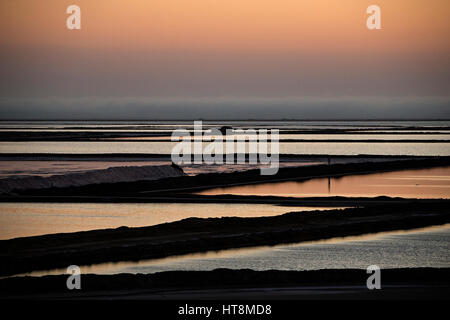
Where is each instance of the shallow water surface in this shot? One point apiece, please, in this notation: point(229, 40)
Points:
point(298, 148)
point(426, 247)
point(422, 183)
point(31, 219)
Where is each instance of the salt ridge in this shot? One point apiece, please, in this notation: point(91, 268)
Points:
point(110, 175)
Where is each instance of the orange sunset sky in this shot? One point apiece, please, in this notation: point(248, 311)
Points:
point(240, 50)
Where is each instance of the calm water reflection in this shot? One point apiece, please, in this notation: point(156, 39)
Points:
point(427, 247)
point(424, 183)
point(30, 219)
point(299, 148)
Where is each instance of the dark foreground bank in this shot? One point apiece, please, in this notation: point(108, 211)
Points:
point(420, 283)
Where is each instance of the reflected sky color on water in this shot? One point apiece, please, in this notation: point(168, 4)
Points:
point(30, 219)
point(423, 183)
point(298, 148)
point(425, 247)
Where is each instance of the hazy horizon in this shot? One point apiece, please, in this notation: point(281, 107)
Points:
point(354, 108)
point(235, 59)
